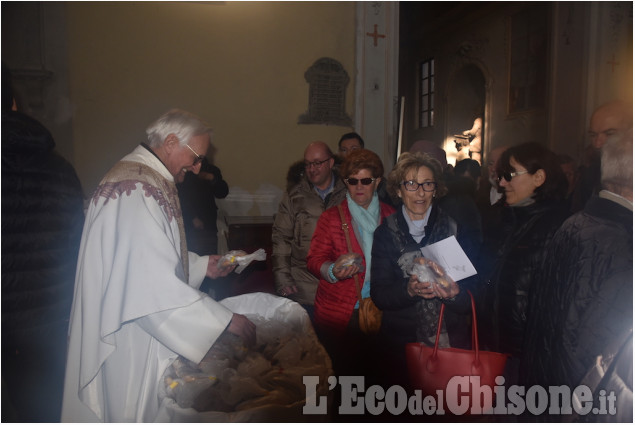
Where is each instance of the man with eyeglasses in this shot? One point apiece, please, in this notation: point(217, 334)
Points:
point(137, 305)
point(295, 223)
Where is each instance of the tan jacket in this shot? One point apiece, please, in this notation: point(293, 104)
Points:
point(293, 228)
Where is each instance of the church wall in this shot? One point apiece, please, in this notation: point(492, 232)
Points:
point(239, 65)
point(479, 38)
point(579, 78)
point(111, 68)
point(34, 50)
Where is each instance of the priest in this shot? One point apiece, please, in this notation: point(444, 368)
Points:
point(137, 305)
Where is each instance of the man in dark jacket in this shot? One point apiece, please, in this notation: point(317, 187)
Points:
point(42, 219)
point(198, 194)
point(584, 298)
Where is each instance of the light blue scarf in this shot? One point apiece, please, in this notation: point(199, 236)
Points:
point(366, 221)
point(417, 228)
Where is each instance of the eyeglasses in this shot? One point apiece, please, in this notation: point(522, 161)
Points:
point(316, 164)
point(509, 176)
point(365, 181)
point(413, 186)
point(199, 158)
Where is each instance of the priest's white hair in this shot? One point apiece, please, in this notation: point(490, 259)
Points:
point(184, 125)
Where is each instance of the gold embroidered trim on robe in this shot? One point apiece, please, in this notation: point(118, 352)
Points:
point(123, 178)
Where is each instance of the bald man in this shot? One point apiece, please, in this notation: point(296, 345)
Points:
point(295, 222)
point(609, 119)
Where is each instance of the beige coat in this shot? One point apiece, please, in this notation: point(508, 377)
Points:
point(293, 228)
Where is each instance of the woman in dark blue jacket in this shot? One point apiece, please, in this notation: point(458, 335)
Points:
point(534, 188)
point(410, 311)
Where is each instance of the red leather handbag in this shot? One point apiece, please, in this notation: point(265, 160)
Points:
point(462, 380)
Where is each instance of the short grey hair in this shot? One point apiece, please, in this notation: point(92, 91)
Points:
point(184, 125)
point(617, 163)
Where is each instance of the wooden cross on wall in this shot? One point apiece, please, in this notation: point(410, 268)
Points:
point(375, 35)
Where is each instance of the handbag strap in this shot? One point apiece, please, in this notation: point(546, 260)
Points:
point(350, 249)
point(475, 347)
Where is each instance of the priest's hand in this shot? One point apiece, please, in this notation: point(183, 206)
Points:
point(213, 271)
point(244, 328)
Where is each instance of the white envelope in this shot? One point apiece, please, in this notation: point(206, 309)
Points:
point(449, 255)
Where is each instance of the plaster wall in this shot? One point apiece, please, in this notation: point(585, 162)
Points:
point(238, 65)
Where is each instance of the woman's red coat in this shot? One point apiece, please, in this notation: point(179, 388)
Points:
point(334, 302)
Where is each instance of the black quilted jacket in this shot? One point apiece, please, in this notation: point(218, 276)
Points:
point(42, 219)
point(584, 298)
point(524, 233)
point(403, 319)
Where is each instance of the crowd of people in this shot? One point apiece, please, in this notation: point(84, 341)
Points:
point(551, 243)
point(553, 257)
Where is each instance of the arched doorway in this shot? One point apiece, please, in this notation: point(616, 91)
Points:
point(466, 113)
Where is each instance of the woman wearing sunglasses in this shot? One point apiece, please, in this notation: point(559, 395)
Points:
point(336, 301)
point(534, 188)
point(411, 308)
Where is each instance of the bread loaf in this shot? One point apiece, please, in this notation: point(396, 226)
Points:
point(427, 270)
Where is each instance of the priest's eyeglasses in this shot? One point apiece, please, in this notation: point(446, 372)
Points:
point(199, 158)
point(509, 176)
point(365, 181)
point(413, 186)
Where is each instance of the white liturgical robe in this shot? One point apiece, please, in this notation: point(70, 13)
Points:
point(137, 305)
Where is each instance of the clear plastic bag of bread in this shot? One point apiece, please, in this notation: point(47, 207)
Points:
point(427, 270)
point(241, 259)
point(348, 260)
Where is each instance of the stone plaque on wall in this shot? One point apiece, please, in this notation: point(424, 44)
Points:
point(327, 80)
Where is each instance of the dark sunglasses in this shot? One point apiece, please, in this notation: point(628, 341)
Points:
point(365, 181)
point(509, 176)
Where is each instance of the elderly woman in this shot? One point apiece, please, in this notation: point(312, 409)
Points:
point(336, 300)
point(534, 189)
point(411, 308)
